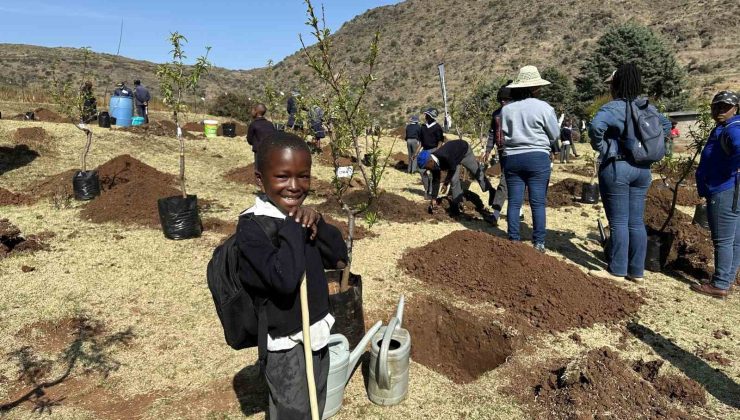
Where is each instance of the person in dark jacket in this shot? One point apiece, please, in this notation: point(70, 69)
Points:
point(122, 90)
point(141, 100)
point(273, 268)
point(430, 137)
point(449, 157)
point(316, 118)
point(294, 122)
point(566, 141)
point(495, 138)
point(260, 128)
point(718, 180)
point(413, 133)
point(622, 183)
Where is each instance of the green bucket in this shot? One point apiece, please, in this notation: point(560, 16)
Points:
point(210, 128)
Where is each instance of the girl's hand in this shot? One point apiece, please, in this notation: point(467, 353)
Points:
point(308, 218)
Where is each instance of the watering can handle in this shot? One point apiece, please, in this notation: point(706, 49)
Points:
point(383, 371)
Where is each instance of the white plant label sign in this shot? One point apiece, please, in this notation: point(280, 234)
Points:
point(345, 172)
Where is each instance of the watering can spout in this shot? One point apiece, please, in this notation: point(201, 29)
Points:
point(399, 311)
point(354, 356)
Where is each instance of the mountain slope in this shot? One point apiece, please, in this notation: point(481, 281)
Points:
point(477, 39)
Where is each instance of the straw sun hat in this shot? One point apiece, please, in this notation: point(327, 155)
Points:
point(528, 76)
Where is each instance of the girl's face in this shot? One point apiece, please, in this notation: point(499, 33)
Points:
point(286, 178)
point(721, 112)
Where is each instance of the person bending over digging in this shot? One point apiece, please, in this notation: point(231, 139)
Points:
point(448, 158)
point(273, 267)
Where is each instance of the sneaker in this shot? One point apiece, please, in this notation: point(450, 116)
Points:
point(635, 279)
point(709, 290)
point(540, 247)
point(605, 274)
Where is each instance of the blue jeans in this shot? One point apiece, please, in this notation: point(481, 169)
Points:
point(725, 227)
point(533, 171)
point(623, 189)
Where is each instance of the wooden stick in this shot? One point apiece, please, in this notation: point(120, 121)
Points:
point(307, 350)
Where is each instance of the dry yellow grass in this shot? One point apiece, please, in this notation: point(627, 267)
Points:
point(134, 277)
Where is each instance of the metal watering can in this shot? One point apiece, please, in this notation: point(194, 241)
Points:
point(388, 382)
point(341, 365)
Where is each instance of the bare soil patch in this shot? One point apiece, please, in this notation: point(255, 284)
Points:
point(242, 175)
point(389, 206)
point(687, 195)
point(563, 193)
point(10, 198)
point(454, 342)
point(597, 384)
point(163, 128)
point(54, 336)
point(360, 231)
point(12, 242)
point(29, 135)
point(494, 170)
point(692, 251)
point(579, 170)
point(326, 158)
point(129, 193)
point(537, 290)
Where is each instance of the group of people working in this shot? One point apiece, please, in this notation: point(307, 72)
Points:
point(524, 130)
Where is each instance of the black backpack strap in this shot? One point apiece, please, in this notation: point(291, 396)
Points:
point(261, 333)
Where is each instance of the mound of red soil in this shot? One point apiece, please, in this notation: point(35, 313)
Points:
point(579, 170)
point(12, 242)
point(692, 250)
point(596, 385)
point(399, 161)
point(326, 158)
point(677, 388)
point(390, 207)
point(536, 290)
point(242, 175)
point(563, 193)
point(61, 182)
point(687, 195)
point(163, 128)
point(130, 189)
point(10, 198)
point(43, 114)
point(29, 134)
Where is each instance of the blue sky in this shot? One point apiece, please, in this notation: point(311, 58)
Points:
point(243, 34)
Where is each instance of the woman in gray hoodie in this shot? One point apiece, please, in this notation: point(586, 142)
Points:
point(529, 126)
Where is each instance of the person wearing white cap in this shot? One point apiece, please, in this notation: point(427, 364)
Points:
point(529, 126)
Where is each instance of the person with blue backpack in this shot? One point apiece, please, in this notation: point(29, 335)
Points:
point(629, 135)
point(718, 180)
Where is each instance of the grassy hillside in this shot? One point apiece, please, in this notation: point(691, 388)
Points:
point(483, 39)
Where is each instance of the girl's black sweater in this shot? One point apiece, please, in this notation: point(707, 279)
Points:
point(274, 272)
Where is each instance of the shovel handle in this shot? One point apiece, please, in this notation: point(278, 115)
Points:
point(384, 373)
point(307, 352)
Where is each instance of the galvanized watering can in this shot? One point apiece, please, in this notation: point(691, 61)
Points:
point(341, 365)
point(388, 382)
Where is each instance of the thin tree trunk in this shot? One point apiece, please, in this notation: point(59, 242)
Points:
point(672, 211)
point(344, 284)
point(86, 149)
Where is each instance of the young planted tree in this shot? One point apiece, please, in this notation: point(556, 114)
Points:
point(347, 118)
point(473, 112)
point(179, 214)
point(675, 169)
point(175, 80)
point(70, 99)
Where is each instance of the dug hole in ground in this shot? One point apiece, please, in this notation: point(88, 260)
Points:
point(498, 330)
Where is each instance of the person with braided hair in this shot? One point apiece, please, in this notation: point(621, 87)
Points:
point(623, 184)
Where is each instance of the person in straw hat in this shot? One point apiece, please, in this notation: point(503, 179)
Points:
point(529, 126)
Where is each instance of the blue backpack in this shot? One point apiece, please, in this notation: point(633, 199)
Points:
point(643, 139)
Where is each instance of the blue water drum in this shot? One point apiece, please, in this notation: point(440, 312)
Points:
point(122, 109)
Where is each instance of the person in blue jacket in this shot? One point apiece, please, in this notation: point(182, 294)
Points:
point(717, 180)
point(623, 184)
